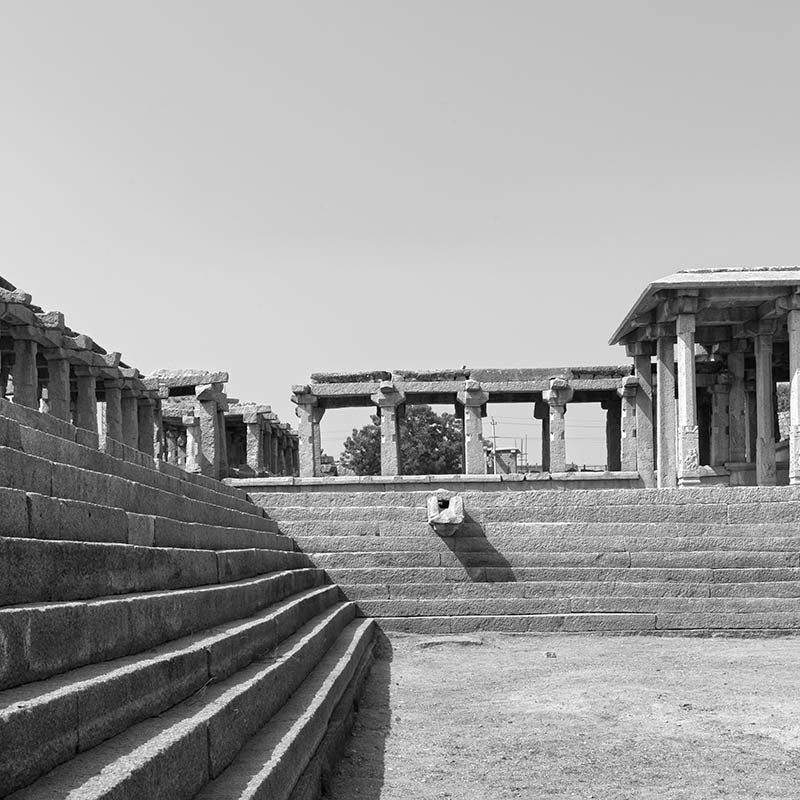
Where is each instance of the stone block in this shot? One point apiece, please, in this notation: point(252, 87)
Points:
point(37, 734)
point(19, 470)
point(141, 529)
point(13, 513)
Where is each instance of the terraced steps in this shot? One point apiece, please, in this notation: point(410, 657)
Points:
point(153, 623)
point(708, 559)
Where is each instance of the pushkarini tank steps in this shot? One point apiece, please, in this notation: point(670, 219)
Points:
point(701, 561)
point(160, 636)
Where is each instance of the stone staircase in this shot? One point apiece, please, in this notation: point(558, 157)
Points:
point(619, 560)
point(159, 638)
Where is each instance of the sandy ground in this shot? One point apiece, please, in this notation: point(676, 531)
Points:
point(556, 716)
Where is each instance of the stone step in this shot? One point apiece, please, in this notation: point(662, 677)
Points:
point(276, 758)
point(36, 516)
point(45, 639)
point(714, 559)
point(560, 589)
point(46, 722)
point(34, 570)
point(598, 604)
point(175, 754)
point(22, 434)
point(536, 499)
point(702, 513)
point(373, 527)
point(402, 575)
point(37, 475)
point(683, 623)
point(557, 542)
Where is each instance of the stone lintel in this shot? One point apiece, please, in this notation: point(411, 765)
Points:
point(82, 370)
point(179, 378)
point(472, 394)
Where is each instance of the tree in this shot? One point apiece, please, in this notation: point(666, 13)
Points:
point(430, 444)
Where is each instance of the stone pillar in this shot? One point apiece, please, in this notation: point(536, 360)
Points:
point(130, 419)
point(266, 445)
point(628, 393)
point(793, 325)
point(737, 409)
point(193, 437)
point(286, 452)
point(58, 386)
point(765, 432)
point(688, 431)
point(613, 409)
point(224, 468)
point(645, 456)
point(172, 446)
point(25, 373)
point(557, 397)
point(111, 427)
point(720, 435)
point(308, 431)
point(390, 401)
point(147, 426)
point(295, 458)
point(665, 412)
point(280, 466)
point(541, 410)
point(474, 400)
point(207, 410)
point(255, 442)
point(158, 430)
point(316, 418)
point(86, 403)
point(274, 449)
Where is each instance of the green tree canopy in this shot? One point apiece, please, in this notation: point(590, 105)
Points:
point(430, 444)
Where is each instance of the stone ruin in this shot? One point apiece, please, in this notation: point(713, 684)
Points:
point(181, 416)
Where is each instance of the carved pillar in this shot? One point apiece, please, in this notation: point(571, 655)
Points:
point(628, 394)
point(224, 467)
point(86, 403)
point(130, 419)
point(557, 397)
point(391, 402)
point(266, 444)
point(665, 412)
point(25, 374)
point(613, 409)
point(720, 435)
point(688, 432)
point(765, 432)
point(793, 325)
point(308, 431)
point(58, 386)
point(295, 457)
point(474, 400)
point(737, 409)
point(146, 426)
point(645, 455)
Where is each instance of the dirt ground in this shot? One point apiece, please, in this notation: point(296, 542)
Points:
point(495, 716)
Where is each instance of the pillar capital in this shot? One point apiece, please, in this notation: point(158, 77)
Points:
point(303, 396)
point(472, 394)
point(685, 323)
point(559, 393)
point(634, 349)
point(629, 386)
point(388, 395)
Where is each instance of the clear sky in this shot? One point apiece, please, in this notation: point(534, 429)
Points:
point(279, 188)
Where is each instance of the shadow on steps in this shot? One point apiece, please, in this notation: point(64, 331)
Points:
point(483, 564)
point(361, 770)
